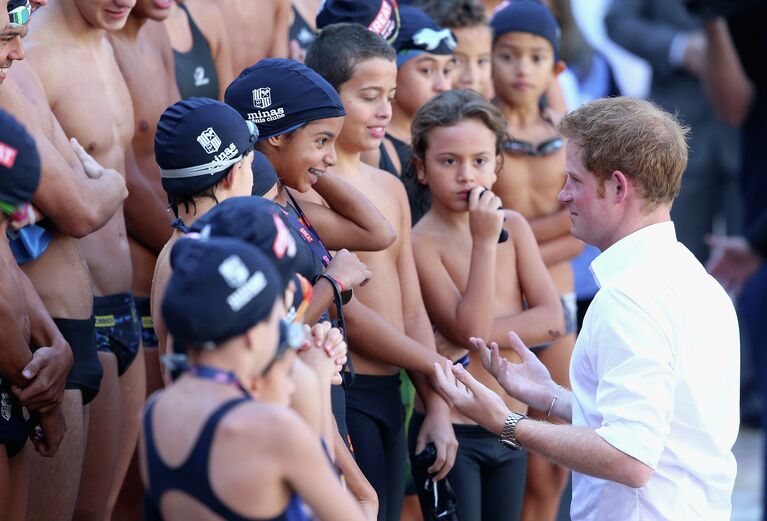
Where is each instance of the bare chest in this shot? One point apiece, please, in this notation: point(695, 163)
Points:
point(150, 87)
point(530, 185)
point(456, 257)
point(95, 106)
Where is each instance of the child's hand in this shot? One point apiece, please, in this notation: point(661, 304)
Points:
point(485, 214)
point(347, 269)
point(326, 353)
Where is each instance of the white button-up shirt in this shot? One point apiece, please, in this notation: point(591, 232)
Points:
point(655, 372)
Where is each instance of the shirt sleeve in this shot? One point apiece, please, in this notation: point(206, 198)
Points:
point(635, 371)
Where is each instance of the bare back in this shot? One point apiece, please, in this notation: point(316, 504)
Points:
point(147, 66)
point(60, 276)
point(88, 95)
point(270, 40)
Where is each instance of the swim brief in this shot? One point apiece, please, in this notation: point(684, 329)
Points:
point(144, 310)
point(13, 426)
point(86, 371)
point(117, 328)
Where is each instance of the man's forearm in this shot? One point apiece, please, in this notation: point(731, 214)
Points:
point(582, 450)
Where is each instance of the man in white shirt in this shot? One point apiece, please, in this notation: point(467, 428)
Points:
point(654, 405)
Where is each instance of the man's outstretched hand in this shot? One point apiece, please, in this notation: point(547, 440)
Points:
point(528, 380)
point(470, 397)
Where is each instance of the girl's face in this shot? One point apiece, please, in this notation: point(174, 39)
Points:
point(457, 159)
point(277, 386)
point(523, 68)
point(367, 98)
point(420, 79)
point(472, 59)
point(304, 155)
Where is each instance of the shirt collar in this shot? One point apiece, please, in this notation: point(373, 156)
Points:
point(631, 250)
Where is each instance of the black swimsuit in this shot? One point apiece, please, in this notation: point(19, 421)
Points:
point(191, 477)
point(301, 31)
point(195, 70)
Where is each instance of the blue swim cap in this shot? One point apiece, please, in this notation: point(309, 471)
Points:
point(280, 95)
point(419, 34)
point(380, 16)
point(526, 16)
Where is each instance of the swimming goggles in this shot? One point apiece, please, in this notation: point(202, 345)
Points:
point(213, 167)
point(19, 16)
point(545, 148)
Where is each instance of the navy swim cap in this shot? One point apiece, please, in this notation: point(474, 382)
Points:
point(526, 16)
point(380, 16)
point(19, 163)
point(197, 141)
point(419, 34)
point(280, 95)
point(264, 175)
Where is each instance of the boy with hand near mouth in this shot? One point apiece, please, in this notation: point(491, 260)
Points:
point(387, 324)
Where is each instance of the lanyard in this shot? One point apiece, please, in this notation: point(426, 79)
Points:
point(217, 375)
point(301, 224)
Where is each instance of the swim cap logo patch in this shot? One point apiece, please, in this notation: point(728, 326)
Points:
point(209, 140)
point(429, 39)
point(234, 271)
point(7, 155)
point(262, 97)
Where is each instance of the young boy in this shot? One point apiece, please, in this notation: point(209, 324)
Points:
point(387, 323)
point(525, 63)
point(467, 20)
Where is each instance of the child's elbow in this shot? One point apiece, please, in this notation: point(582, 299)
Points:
point(384, 238)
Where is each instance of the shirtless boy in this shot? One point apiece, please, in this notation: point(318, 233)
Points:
point(525, 63)
point(61, 276)
point(467, 20)
point(145, 57)
point(361, 66)
point(424, 69)
point(94, 106)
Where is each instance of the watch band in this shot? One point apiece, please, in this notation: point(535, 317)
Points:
point(507, 436)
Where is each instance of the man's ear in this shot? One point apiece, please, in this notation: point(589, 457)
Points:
point(559, 67)
point(420, 171)
point(620, 186)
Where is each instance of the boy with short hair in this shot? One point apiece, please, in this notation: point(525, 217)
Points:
point(467, 20)
point(387, 323)
point(525, 63)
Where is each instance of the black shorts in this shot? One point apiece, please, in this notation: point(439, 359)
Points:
point(375, 418)
point(144, 310)
point(86, 371)
point(13, 426)
point(117, 328)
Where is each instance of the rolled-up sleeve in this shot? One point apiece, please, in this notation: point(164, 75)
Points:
point(635, 371)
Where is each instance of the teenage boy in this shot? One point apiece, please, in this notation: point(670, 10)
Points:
point(389, 309)
point(57, 269)
point(71, 52)
point(145, 57)
point(525, 63)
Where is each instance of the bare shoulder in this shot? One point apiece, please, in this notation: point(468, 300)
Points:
point(384, 179)
point(51, 62)
point(206, 9)
point(275, 426)
point(553, 115)
point(516, 224)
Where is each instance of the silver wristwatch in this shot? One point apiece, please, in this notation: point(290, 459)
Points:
point(507, 436)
